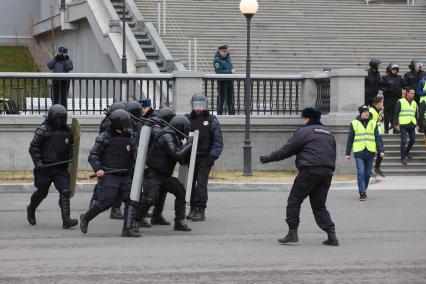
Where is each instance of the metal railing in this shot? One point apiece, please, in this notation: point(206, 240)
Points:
point(323, 94)
point(32, 93)
point(270, 94)
point(409, 2)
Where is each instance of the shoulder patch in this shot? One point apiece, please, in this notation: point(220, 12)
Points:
point(321, 131)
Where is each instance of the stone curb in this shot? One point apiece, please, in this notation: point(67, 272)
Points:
point(88, 187)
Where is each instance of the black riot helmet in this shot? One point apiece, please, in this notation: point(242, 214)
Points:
point(115, 106)
point(182, 124)
point(374, 63)
point(58, 115)
point(415, 63)
point(120, 119)
point(134, 108)
point(199, 102)
point(166, 114)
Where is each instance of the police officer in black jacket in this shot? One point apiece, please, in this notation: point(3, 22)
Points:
point(210, 146)
point(163, 154)
point(106, 122)
point(315, 150)
point(52, 143)
point(114, 149)
point(412, 77)
point(391, 84)
point(372, 81)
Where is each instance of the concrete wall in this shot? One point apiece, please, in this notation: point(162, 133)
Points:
point(15, 17)
point(84, 49)
point(268, 134)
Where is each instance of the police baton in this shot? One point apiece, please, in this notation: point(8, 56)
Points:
point(110, 172)
point(141, 119)
point(52, 165)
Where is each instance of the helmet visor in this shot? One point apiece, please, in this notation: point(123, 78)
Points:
point(60, 121)
point(200, 105)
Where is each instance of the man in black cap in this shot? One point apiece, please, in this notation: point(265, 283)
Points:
point(316, 169)
point(223, 65)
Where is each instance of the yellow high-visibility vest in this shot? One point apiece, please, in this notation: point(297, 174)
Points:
point(364, 136)
point(408, 112)
point(376, 117)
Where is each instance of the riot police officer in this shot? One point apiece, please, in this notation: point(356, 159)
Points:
point(316, 169)
point(52, 144)
point(163, 154)
point(210, 146)
point(412, 77)
point(112, 158)
point(391, 85)
point(106, 122)
point(372, 81)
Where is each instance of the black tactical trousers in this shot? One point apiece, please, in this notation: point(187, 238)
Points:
point(388, 117)
point(111, 186)
point(315, 183)
point(199, 195)
point(95, 198)
point(60, 92)
point(155, 188)
point(226, 92)
point(43, 179)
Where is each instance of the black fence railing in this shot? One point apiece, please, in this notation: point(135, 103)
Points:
point(323, 94)
point(270, 94)
point(33, 93)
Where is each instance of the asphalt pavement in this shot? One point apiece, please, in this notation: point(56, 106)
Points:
point(383, 240)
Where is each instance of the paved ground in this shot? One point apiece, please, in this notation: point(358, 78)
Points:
point(383, 240)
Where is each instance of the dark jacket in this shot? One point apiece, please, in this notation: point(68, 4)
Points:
point(364, 154)
point(60, 65)
point(398, 110)
point(420, 86)
point(213, 139)
point(313, 145)
point(372, 82)
point(105, 123)
point(101, 144)
point(412, 78)
point(166, 150)
point(391, 85)
point(38, 146)
point(222, 65)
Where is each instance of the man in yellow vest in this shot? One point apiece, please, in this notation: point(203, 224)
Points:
point(376, 111)
point(406, 121)
point(364, 140)
point(421, 93)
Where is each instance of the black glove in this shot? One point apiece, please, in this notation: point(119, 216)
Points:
point(66, 57)
point(265, 159)
point(58, 57)
point(211, 160)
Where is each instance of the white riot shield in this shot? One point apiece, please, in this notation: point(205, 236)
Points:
point(186, 172)
point(137, 181)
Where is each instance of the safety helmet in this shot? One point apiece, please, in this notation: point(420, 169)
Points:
point(182, 124)
point(58, 115)
point(166, 114)
point(374, 62)
point(199, 101)
point(134, 108)
point(115, 106)
point(120, 119)
point(415, 63)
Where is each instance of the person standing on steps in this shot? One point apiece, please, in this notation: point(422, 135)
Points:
point(377, 115)
point(315, 150)
point(421, 93)
point(372, 81)
point(391, 85)
point(406, 114)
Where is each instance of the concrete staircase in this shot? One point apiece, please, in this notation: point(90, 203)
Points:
point(391, 164)
point(290, 36)
point(141, 36)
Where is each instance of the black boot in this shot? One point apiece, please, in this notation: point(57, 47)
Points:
point(180, 225)
point(31, 215)
point(159, 220)
point(199, 214)
point(116, 214)
point(129, 222)
point(67, 222)
point(332, 239)
point(291, 237)
point(85, 218)
point(191, 214)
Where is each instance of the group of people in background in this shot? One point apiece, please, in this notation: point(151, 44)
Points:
point(401, 108)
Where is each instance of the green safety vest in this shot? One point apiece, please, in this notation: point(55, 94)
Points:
point(408, 112)
point(423, 98)
point(364, 137)
point(376, 117)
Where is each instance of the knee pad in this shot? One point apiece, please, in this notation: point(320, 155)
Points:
point(66, 193)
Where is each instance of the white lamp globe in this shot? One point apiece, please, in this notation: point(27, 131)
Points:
point(248, 7)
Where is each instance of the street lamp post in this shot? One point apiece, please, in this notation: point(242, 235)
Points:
point(248, 8)
point(62, 7)
point(124, 58)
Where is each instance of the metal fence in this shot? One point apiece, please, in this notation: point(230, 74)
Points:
point(270, 94)
point(33, 93)
point(323, 94)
